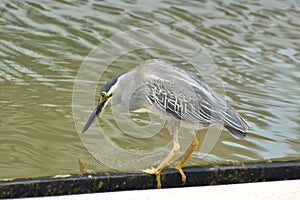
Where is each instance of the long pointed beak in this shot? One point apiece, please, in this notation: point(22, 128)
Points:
point(101, 106)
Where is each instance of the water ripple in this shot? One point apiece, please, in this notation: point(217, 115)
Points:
point(42, 45)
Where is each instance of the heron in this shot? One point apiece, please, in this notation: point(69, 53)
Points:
point(175, 95)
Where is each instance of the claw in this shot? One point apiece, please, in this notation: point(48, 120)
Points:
point(155, 172)
point(152, 170)
point(183, 177)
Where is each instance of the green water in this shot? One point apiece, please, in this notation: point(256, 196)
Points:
point(43, 44)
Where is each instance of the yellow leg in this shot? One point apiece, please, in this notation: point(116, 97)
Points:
point(157, 171)
point(192, 148)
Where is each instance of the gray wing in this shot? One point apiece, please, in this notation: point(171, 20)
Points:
point(184, 105)
point(195, 102)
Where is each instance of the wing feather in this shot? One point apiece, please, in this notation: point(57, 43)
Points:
point(197, 105)
point(186, 97)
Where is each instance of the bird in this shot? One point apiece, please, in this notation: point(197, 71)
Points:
point(175, 95)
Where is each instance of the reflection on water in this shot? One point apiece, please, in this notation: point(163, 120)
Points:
point(42, 45)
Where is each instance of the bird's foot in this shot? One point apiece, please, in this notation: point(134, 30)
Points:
point(183, 177)
point(156, 172)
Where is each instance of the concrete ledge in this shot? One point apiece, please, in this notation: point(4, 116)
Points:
point(283, 190)
point(120, 181)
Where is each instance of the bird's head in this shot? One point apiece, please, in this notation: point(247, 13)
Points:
point(104, 100)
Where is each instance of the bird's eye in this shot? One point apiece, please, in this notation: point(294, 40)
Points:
point(103, 96)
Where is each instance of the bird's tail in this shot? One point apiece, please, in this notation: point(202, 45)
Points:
point(236, 133)
point(235, 124)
